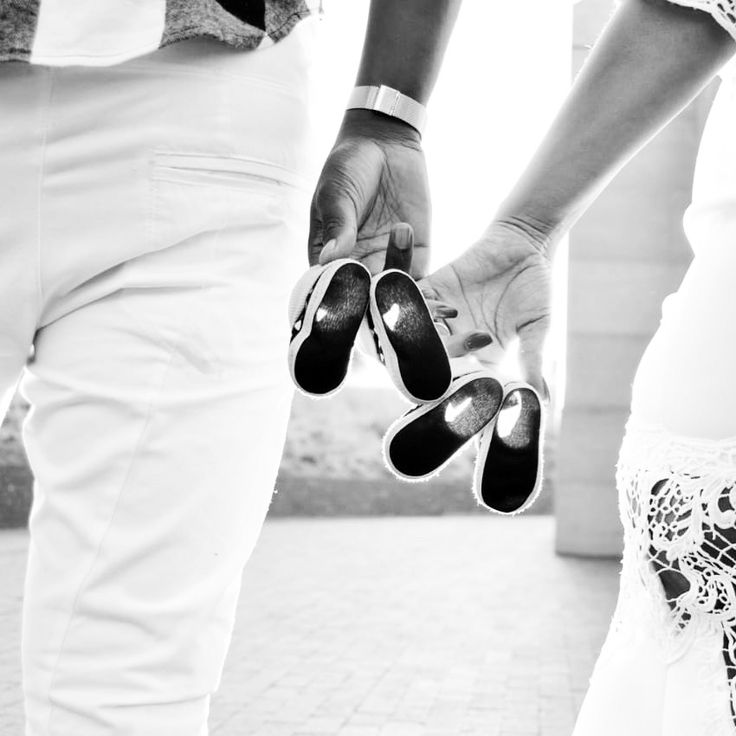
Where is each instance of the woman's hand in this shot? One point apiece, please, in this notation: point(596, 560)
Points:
point(374, 178)
point(502, 286)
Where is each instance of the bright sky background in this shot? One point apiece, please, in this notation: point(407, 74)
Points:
point(506, 70)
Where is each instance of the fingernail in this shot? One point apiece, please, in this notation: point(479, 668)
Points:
point(545, 390)
point(402, 235)
point(446, 312)
point(478, 340)
point(328, 249)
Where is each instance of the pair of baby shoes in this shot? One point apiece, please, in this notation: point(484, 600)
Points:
point(334, 305)
point(508, 422)
point(331, 304)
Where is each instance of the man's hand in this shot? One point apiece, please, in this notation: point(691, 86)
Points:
point(374, 178)
point(501, 286)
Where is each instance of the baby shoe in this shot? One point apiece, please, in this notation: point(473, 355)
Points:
point(405, 338)
point(326, 309)
point(423, 441)
point(508, 468)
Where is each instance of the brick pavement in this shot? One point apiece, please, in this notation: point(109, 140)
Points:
point(434, 626)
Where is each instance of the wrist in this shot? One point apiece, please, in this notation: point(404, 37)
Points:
point(381, 127)
point(540, 215)
point(391, 101)
point(540, 234)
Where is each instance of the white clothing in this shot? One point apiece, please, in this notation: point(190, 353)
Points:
point(668, 667)
point(154, 220)
point(724, 11)
point(94, 33)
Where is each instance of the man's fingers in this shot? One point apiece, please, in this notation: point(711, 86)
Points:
point(314, 241)
point(333, 228)
point(400, 248)
point(339, 243)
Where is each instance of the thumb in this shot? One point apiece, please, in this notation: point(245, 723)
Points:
point(333, 227)
point(531, 354)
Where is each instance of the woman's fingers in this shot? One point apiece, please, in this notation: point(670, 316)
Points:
point(428, 291)
point(443, 328)
point(460, 345)
point(441, 311)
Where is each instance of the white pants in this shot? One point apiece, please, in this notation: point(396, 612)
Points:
point(153, 221)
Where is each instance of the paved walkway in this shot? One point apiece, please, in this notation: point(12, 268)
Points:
point(439, 626)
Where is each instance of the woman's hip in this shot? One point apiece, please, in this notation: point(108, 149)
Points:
point(685, 382)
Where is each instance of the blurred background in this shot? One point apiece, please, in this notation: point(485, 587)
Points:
point(506, 70)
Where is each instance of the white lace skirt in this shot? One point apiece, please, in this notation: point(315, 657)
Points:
point(668, 667)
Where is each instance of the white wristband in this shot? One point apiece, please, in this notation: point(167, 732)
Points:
point(391, 102)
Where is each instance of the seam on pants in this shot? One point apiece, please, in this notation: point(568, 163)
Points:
point(155, 393)
point(46, 124)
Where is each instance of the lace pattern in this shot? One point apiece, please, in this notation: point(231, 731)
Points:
point(723, 11)
point(677, 499)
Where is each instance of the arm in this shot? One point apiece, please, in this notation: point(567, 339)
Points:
point(404, 44)
point(651, 60)
point(375, 175)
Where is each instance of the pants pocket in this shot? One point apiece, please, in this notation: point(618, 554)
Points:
point(228, 238)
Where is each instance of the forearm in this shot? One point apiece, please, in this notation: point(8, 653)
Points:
point(375, 175)
point(404, 45)
point(652, 59)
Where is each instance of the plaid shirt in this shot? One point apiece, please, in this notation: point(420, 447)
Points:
point(58, 32)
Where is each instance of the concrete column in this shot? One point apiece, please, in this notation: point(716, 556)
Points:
point(626, 254)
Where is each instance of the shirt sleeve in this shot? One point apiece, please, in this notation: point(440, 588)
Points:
point(723, 11)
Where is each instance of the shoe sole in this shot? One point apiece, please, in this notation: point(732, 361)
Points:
point(508, 470)
point(422, 442)
point(320, 352)
point(413, 351)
